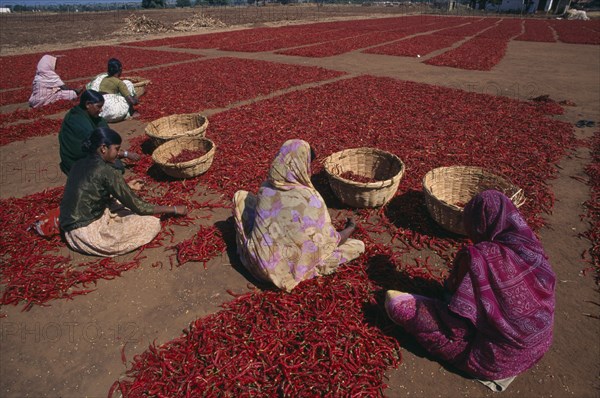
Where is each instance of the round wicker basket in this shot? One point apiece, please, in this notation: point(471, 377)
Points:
point(139, 84)
point(448, 189)
point(371, 163)
point(176, 126)
point(192, 168)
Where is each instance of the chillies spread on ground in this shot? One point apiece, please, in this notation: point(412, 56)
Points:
point(330, 336)
point(592, 206)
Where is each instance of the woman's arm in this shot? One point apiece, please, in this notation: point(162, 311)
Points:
point(129, 155)
point(132, 100)
point(179, 210)
point(347, 231)
point(67, 88)
point(462, 263)
point(122, 192)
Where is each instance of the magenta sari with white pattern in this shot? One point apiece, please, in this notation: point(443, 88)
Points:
point(499, 320)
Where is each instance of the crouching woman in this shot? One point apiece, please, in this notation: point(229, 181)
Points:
point(99, 213)
point(499, 320)
point(284, 233)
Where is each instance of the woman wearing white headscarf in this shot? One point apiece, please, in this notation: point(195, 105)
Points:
point(48, 86)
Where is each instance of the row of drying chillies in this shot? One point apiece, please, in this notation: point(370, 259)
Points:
point(84, 63)
point(592, 206)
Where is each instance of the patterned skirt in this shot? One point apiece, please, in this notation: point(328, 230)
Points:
point(114, 233)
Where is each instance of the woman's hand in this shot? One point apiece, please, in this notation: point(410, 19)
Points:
point(348, 230)
point(462, 263)
point(136, 184)
point(132, 100)
point(129, 155)
point(180, 210)
point(133, 156)
point(350, 223)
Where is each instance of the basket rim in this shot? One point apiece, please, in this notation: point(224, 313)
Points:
point(517, 195)
point(202, 127)
point(187, 164)
point(370, 185)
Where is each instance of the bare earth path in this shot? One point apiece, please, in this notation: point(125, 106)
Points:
point(72, 348)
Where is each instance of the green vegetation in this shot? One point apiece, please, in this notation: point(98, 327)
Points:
point(154, 3)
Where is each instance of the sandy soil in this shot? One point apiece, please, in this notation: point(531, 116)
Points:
point(72, 348)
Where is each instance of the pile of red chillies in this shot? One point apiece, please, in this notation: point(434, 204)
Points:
point(349, 175)
point(329, 337)
point(186, 155)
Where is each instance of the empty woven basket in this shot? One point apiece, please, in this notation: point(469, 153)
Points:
point(139, 84)
point(371, 163)
point(448, 189)
point(192, 168)
point(176, 126)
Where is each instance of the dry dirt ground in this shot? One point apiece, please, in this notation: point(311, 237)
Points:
point(72, 348)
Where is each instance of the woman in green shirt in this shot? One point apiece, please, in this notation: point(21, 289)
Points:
point(119, 95)
point(90, 217)
point(77, 126)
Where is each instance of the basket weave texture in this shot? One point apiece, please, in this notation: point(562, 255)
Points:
point(139, 84)
point(448, 189)
point(176, 126)
point(372, 163)
point(191, 168)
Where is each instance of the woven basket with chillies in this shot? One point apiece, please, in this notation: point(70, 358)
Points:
point(164, 154)
point(176, 126)
point(139, 84)
point(448, 189)
point(384, 171)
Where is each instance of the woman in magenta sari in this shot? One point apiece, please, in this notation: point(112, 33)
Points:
point(499, 319)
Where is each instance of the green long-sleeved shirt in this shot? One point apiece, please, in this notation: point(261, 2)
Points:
point(91, 185)
point(77, 126)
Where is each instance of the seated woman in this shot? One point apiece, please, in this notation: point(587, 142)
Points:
point(90, 217)
point(285, 234)
point(77, 126)
point(47, 85)
point(119, 95)
point(498, 321)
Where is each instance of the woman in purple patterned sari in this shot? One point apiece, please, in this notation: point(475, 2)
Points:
point(499, 320)
point(284, 233)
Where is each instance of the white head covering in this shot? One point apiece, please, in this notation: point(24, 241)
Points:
point(45, 75)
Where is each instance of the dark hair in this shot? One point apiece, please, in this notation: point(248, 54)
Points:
point(114, 66)
point(100, 136)
point(90, 96)
point(313, 154)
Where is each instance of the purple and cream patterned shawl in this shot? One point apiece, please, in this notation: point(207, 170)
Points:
point(291, 235)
